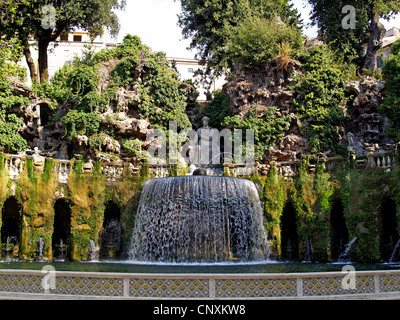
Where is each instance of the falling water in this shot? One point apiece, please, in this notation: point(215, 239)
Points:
point(199, 219)
point(344, 256)
point(395, 250)
point(60, 251)
point(92, 251)
point(40, 249)
point(307, 251)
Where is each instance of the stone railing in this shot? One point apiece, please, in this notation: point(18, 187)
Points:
point(26, 284)
point(115, 171)
point(382, 160)
point(16, 164)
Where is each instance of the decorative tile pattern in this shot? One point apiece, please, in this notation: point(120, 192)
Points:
point(117, 286)
point(333, 286)
point(389, 283)
point(255, 288)
point(168, 288)
point(21, 283)
point(89, 286)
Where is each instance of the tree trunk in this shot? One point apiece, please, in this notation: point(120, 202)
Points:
point(30, 62)
point(43, 61)
point(375, 43)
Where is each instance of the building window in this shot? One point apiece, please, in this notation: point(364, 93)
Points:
point(190, 70)
point(64, 37)
point(77, 38)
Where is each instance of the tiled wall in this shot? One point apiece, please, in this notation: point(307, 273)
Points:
point(198, 286)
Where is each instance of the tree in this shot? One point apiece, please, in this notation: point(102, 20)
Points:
point(11, 26)
point(391, 105)
point(209, 24)
point(45, 20)
point(348, 43)
point(11, 125)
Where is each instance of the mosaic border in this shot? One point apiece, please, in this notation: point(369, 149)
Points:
point(251, 288)
point(169, 288)
point(325, 286)
point(199, 286)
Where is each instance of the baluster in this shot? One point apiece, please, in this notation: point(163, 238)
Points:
point(389, 162)
point(384, 166)
point(378, 162)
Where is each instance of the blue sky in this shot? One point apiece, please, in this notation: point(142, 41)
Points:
point(155, 22)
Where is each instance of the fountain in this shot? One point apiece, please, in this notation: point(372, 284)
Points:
point(61, 250)
point(199, 219)
point(307, 252)
point(395, 250)
point(11, 243)
point(345, 255)
point(40, 250)
point(92, 251)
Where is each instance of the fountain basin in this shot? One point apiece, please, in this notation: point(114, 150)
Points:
point(199, 219)
point(196, 285)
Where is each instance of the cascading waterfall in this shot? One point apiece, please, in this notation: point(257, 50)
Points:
point(199, 219)
point(344, 257)
point(394, 253)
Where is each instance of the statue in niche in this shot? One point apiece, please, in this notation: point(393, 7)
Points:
point(208, 148)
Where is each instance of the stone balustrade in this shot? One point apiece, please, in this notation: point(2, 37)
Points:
point(115, 171)
point(25, 284)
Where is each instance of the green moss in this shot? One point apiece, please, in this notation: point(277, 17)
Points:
point(36, 192)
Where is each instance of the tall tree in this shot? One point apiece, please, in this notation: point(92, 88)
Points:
point(209, 22)
point(45, 20)
point(11, 25)
point(348, 42)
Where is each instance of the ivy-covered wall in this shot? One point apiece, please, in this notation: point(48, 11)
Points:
point(312, 194)
point(38, 190)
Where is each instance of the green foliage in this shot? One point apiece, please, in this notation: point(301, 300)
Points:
point(320, 94)
point(81, 123)
point(161, 96)
point(268, 128)
point(23, 20)
point(82, 80)
point(363, 194)
point(217, 110)
point(256, 41)
point(209, 22)
point(134, 146)
point(391, 105)
point(10, 139)
point(57, 91)
point(10, 123)
point(348, 43)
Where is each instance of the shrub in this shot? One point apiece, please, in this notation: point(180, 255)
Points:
point(257, 41)
point(217, 110)
point(391, 105)
point(268, 128)
point(320, 93)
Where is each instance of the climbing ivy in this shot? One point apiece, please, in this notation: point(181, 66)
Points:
point(320, 93)
point(10, 123)
point(390, 106)
point(268, 127)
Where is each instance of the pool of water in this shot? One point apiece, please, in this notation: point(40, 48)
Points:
point(221, 268)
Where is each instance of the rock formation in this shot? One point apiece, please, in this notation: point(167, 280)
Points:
point(271, 87)
point(366, 125)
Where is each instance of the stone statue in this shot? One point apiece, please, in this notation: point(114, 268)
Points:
point(208, 149)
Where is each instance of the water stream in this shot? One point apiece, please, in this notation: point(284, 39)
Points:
point(345, 255)
point(199, 219)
